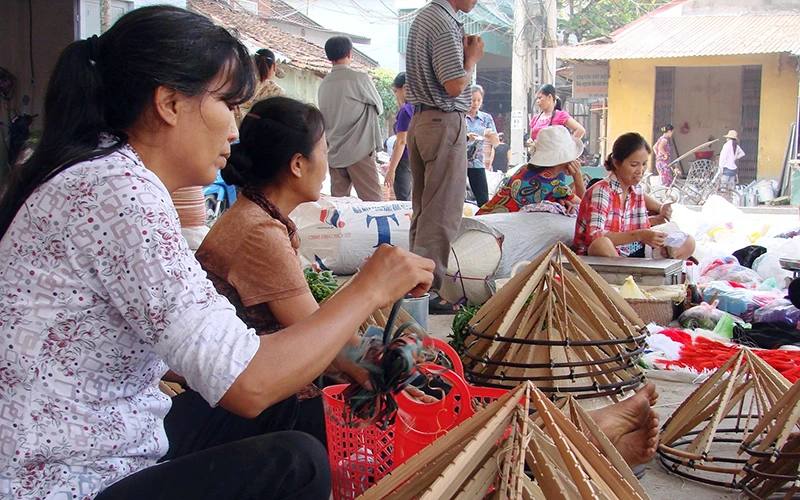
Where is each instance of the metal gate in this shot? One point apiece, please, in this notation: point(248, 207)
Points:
point(664, 101)
point(748, 135)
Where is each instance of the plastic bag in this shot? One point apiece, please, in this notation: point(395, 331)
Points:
point(630, 290)
point(724, 326)
point(741, 302)
point(749, 254)
point(729, 269)
point(778, 311)
point(703, 316)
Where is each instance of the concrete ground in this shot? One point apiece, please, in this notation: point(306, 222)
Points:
point(658, 483)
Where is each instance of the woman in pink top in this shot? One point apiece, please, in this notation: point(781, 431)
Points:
point(551, 114)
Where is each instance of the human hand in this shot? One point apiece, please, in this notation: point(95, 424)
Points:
point(392, 272)
point(347, 371)
point(388, 180)
point(419, 396)
point(473, 48)
point(573, 169)
point(665, 211)
point(652, 238)
point(571, 208)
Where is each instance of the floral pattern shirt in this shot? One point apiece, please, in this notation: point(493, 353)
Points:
point(529, 185)
point(99, 294)
point(478, 125)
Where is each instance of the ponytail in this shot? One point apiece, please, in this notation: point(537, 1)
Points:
point(558, 105)
point(73, 121)
point(609, 163)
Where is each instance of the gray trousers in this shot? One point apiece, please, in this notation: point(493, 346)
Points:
point(437, 153)
point(363, 175)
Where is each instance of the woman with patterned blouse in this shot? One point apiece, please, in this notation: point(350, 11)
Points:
point(99, 293)
point(544, 179)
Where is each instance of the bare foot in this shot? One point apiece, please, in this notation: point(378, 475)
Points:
point(631, 425)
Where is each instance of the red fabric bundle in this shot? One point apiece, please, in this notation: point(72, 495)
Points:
point(701, 353)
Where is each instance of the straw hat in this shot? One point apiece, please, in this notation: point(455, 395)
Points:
point(731, 135)
point(474, 257)
point(554, 146)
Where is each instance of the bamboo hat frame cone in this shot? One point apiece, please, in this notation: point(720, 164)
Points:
point(725, 410)
point(566, 331)
point(774, 449)
point(486, 455)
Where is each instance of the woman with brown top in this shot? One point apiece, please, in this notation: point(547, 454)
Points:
point(250, 254)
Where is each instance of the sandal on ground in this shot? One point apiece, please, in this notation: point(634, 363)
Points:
point(436, 306)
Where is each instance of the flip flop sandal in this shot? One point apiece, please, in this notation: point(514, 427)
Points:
point(639, 471)
point(435, 306)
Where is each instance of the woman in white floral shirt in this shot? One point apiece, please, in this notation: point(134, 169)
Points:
point(99, 293)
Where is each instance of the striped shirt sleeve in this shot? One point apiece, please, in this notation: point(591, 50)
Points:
point(448, 57)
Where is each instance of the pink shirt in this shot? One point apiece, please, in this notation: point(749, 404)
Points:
point(541, 121)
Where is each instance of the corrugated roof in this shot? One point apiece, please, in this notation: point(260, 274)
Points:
point(301, 53)
point(694, 36)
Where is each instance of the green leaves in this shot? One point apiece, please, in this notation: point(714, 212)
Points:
point(383, 79)
point(321, 284)
point(588, 19)
point(460, 322)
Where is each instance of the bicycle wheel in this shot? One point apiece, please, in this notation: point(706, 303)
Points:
point(666, 194)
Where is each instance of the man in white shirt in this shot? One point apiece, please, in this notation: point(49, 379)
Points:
point(351, 106)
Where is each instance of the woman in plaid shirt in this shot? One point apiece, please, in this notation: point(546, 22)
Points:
point(614, 217)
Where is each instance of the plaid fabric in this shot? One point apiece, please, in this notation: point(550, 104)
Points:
point(602, 212)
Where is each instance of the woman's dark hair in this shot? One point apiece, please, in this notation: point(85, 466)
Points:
point(264, 61)
point(668, 127)
point(337, 47)
point(399, 80)
point(104, 84)
point(478, 89)
point(624, 146)
point(548, 89)
point(271, 134)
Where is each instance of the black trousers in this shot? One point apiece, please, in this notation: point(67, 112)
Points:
point(215, 454)
point(478, 184)
point(402, 180)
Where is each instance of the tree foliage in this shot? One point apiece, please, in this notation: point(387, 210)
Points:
point(582, 20)
point(383, 79)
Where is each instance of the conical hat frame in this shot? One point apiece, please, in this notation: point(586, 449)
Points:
point(549, 324)
point(775, 458)
point(689, 435)
point(469, 460)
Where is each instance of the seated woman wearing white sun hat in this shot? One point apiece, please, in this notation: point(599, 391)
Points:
point(555, 155)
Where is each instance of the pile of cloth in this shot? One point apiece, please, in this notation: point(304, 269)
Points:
point(701, 351)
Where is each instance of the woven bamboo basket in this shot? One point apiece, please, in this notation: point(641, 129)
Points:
point(658, 311)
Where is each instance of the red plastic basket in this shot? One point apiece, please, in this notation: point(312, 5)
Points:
point(360, 457)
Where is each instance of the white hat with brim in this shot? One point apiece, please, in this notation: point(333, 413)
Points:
point(731, 135)
point(555, 146)
point(474, 258)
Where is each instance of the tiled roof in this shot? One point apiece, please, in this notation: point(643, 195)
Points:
point(302, 54)
point(693, 36)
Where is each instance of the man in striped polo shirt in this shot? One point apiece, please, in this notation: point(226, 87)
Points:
point(440, 61)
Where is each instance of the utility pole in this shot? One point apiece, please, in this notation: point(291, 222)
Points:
point(105, 15)
point(550, 42)
point(522, 70)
